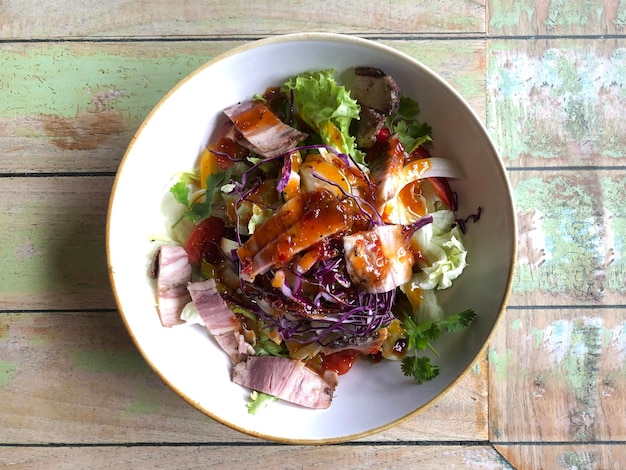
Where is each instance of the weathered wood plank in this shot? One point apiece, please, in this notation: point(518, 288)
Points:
point(566, 457)
point(53, 256)
point(425, 457)
point(572, 230)
point(558, 375)
point(71, 106)
point(557, 102)
point(28, 19)
point(555, 17)
point(78, 378)
point(77, 105)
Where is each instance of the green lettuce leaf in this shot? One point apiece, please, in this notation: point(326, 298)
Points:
point(327, 108)
point(444, 252)
point(259, 400)
point(190, 315)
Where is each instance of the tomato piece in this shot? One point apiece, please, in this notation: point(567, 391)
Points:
point(420, 152)
point(231, 148)
point(444, 191)
point(204, 241)
point(383, 135)
point(341, 361)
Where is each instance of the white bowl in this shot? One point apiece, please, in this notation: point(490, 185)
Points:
point(372, 397)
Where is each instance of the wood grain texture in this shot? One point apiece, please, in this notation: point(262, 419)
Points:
point(556, 17)
point(425, 457)
point(558, 375)
point(558, 102)
point(78, 378)
point(546, 76)
point(76, 106)
point(54, 255)
point(572, 230)
point(566, 457)
point(125, 18)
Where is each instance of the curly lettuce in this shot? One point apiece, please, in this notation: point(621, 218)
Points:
point(442, 247)
point(327, 108)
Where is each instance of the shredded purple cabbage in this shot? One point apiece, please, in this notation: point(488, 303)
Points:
point(462, 223)
point(367, 314)
point(322, 304)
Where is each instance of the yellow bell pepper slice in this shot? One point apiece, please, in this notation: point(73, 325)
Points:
point(208, 166)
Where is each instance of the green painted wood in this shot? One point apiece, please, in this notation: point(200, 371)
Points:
point(563, 371)
point(572, 230)
point(558, 102)
point(53, 254)
point(125, 18)
point(75, 106)
point(556, 17)
point(79, 378)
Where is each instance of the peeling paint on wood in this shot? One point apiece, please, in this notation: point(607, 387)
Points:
point(548, 78)
point(563, 373)
point(557, 17)
point(7, 370)
point(571, 236)
point(32, 19)
point(558, 103)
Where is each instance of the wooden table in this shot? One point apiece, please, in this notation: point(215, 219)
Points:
point(549, 79)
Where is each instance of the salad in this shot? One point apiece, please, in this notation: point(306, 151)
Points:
point(316, 232)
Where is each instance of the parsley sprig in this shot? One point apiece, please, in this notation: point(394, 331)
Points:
point(405, 124)
point(420, 337)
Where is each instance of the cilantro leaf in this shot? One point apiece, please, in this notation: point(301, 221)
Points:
point(201, 210)
point(181, 192)
point(458, 321)
point(405, 124)
point(420, 368)
point(420, 337)
point(408, 109)
point(201, 207)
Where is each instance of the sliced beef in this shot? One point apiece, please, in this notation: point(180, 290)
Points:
point(362, 344)
point(258, 129)
point(287, 379)
point(379, 96)
point(375, 89)
point(369, 126)
point(219, 319)
point(172, 271)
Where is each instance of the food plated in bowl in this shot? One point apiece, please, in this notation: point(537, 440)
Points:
point(368, 250)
